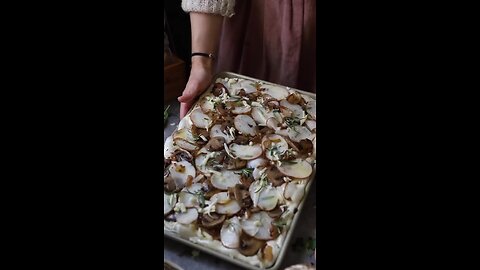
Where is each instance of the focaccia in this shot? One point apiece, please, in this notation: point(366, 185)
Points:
point(237, 166)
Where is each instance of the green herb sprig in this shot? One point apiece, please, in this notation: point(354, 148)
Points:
point(292, 121)
point(247, 172)
point(200, 196)
point(280, 223)
point(263, 183)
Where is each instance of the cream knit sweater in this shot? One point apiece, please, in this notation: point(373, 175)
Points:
point(221, 7)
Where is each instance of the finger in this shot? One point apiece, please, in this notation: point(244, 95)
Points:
point(190, 92)
point(184, 99)
point(184, 108)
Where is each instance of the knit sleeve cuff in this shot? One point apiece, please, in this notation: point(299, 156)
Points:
point(220, 7)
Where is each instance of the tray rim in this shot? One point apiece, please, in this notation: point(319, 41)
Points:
point(293, 225)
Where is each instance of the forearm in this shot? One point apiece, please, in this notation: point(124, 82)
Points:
point(206, 30)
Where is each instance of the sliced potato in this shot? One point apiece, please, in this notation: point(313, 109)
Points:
point(257, 172)
point(248, 86)
point(299, 193)
point(245, 124)
point(230, 208)
point(296, 109)
point(203, 150)
point(297, 168)
point(201, 163)
point(314, 154)
point(312, 109)
point(276, 92)
point(289, 189)
point(260, 115)
point(200, 119)
point(180, 171)
point(188, 199)
point(207, 106)
point(254, 163)
point(273, 123)
point(185, 145)
point(169, 148)
point(242, 110)
point(187, 217)
point(294, 191)
point(230, 233)
point(268, 198)
point(216, 131)
point(299, 133)
point(259, 225)
point(307, 98)
point(254, 191)
point(312, 125)
point(184, 134)
point(185, 123)
point(246, 152)
point(221, 198)
point(277, 147)
point(225, 179)
point(197, 187)
point(282, 132)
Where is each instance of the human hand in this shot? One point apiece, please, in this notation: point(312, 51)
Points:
point(200, 78)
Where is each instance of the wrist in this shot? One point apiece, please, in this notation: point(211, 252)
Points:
point(202, 62)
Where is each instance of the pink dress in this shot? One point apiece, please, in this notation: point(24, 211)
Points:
point(271, 40)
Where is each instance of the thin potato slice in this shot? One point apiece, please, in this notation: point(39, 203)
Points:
point(225, 179)
point(246, 152)
point(180, 171)
point(297, 168)
point(230, 233)
point(200, 119)
point(187, 217)
point(312, 109)
point(245, 124)
point(276, 92)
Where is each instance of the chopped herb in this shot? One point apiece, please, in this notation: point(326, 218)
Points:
point(292, 121)
point(246, 172)
point(280, 223)
point(212, 162)
point(200, 196)
point(273, 150)
point(289, 162)
point(296, 131)
point(263, 183)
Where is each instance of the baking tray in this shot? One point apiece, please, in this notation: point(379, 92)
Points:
point(293, 225)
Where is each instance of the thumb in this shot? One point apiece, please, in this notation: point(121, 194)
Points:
point(190, 92)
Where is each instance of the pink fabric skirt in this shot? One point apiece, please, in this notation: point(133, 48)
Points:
point(271, 40)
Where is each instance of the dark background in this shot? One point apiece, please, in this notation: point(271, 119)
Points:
point(87, 114)
point(179, 32)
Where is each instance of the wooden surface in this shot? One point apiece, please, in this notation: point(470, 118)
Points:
point(174, 79)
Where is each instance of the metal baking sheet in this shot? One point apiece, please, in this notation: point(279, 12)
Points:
point(289, 233)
